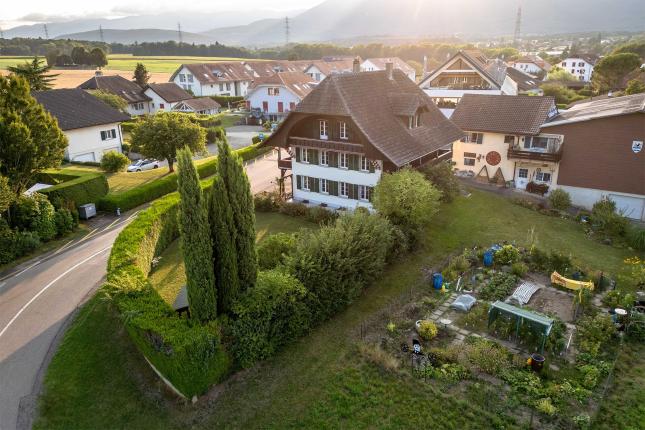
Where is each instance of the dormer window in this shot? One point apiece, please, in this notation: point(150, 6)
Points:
point(414, 120)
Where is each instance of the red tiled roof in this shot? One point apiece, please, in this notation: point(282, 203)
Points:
point(298, 83)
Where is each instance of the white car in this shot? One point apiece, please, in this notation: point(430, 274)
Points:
point(141, 165)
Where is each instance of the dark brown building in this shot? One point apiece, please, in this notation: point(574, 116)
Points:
point(603, 153)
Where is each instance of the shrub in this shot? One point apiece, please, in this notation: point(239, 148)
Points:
point(273, 250)
point(605, 219)
point(215, 134)
point(636, 238)
point(114, 161)
point(545, 406)
point(443, 178)
point(519, 269)
point(36, 214)
point(374, 354)
point(499, 287)
point(266, 202)
point(594, 332)
point(75, 186)
point(559, 199)
point(320, 215)
point(268, 316)
point(452, 372)
point(507, 255)
point(15, 244)
point(225, 100)
point(294, 209)
point(487, 356)
point(337, 261)
point(428, 330)
point(64, 221)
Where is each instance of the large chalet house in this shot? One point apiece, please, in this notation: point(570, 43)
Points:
point(228, 78)
point(131, 92)
point(91, 126)
point(273, 97)
point(353, 127)
point(506, 141)
point(603, 154)
point(471, 72)
point(375, 64)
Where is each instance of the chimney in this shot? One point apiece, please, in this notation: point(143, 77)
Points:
point(356, 65)
point(389, 69)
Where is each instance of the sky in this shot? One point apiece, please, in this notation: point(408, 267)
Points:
point(17, 12)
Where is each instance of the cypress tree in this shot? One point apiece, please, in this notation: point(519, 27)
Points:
point(238, 189)
point(224, 255)
point(196, 242)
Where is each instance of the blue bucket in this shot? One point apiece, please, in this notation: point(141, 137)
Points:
point(437, 281)
point(488, 258)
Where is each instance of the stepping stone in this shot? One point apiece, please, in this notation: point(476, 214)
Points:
point(554, 367)
point(464, 332)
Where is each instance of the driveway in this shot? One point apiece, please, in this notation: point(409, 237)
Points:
point(39, 298)
point(238, 136)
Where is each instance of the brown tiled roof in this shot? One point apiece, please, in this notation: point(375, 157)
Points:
point(75, 108)
point(170, 92)
point(201, 103)
point(298, 83)
point(524, 81)
point(129, 91)
point(502, 114)
point(535, 60)
point(232, 71)
point(368, 99)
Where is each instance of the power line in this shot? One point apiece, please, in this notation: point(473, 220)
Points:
point(518, 23)
point(287, 30)
point(46, 32)
point(181, 38)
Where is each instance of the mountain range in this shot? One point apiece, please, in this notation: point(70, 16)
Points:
point(347, 19)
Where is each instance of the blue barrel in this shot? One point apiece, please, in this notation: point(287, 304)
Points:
point(437, 281)
point(488, 258)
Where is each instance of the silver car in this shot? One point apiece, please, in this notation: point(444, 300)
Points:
point(144, 164)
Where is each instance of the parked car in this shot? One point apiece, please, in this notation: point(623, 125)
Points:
point(141, 165)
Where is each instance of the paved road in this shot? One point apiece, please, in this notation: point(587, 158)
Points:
point(38, 300)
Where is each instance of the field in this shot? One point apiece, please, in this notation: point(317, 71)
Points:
point(98, 380)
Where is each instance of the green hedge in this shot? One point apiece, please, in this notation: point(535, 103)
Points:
point(78, 186)
point(153, 190)
point(189, 355)
point(225, 100)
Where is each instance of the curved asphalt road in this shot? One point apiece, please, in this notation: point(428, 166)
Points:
point(37, 302)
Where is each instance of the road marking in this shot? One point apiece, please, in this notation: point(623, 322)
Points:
point(63, 247)
point(22, 271)
point(111, 224)
point(80, 263)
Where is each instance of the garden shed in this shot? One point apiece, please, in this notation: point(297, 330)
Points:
point(539, 323)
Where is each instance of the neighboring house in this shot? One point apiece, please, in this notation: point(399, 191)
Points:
point(580, 67)
point(131, 92)
point(165, 96)
point(353, 127)
point(201, 105)
point(471, 72)
point(91, 126)
point(376, 64)
point(228, 78)
point(505, 140)
point(319, 70)
point(603, 153)
point(273, 97)
point(533, 65)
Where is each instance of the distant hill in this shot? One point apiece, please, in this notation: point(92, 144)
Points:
point(142, 35)
point(346, 19)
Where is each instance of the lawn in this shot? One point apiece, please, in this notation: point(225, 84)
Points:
point(98, 380)
point(6, 61)
point(169, 275)
point(159, 64)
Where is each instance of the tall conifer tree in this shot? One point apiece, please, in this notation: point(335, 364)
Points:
point(196, 241)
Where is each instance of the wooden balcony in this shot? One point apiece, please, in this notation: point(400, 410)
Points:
point(285, 163)
point(523, 154)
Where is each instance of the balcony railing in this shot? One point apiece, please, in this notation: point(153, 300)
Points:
point(552, 154)
point(285, 163)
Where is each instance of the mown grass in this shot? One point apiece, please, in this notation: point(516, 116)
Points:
point(318, 381)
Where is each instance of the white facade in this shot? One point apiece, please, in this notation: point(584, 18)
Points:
point(528, 67)
point(363, 180)
point(184, 107)
point(629, 205)
point(315, 73)
point(139, 108)
point(186, 80)
point(157, 103)
point(473, 157)
point(90, 143)
point(455, 95)
point(578, 67)
point(368, 66)
point(272, 100)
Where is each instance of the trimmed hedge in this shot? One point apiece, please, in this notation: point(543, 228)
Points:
point(77, 186)
point(165, 185)
point(188, 354)
point(225, 100)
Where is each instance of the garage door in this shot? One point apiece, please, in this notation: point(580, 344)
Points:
point(631, 207)
point(84, 157)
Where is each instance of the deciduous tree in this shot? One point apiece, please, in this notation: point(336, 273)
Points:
point(98, 58)
point(141, 75)
point(30, 136)
point(162, 135)
point(36, 73)
point(238, 189)
point(6, 195)
point(610, 72)
point(195, 241)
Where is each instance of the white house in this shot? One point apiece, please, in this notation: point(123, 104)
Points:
point(353, 127)
point(201, 105)
point(374, 64)
point(505, 141)
point(580, 67)
point(131, 92)
point(277, 95)
point(165, 96)
point(319, 70)
point(532, 64)
point(91, 126)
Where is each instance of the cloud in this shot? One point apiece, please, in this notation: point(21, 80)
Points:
point(38, 17)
